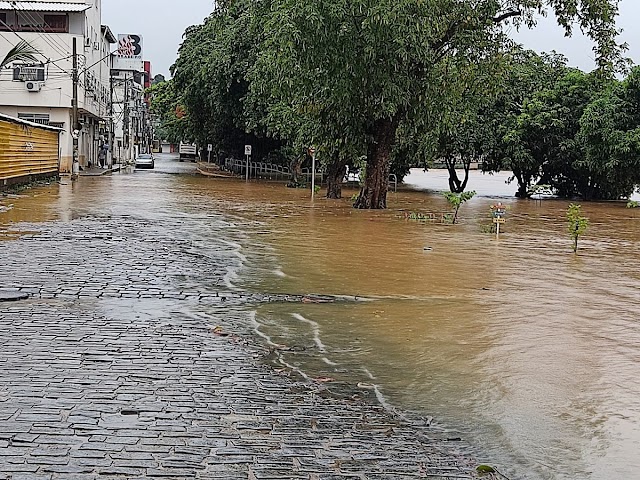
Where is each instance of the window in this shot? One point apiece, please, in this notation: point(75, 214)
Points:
point(3, 22)
point(55, 23)
point(41, 118)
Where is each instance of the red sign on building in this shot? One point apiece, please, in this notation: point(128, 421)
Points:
point(147, 74)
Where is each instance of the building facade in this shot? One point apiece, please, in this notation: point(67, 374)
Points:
point(42, 92)
point(132, 128)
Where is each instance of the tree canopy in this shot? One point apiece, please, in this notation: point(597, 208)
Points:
point(377, 83)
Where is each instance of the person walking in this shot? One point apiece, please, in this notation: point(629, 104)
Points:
point(102, 156)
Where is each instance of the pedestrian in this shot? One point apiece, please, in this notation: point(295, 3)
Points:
point(102, 156)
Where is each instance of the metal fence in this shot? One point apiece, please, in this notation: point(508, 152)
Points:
point(271, 171)
point(27, 149)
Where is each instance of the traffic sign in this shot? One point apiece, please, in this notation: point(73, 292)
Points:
point(247, 149)
point(210, 148)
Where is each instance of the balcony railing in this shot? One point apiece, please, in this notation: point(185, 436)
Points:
point(34, 28)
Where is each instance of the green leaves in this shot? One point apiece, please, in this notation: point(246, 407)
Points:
point(577, 224)
point(440, 72)
point(22, 52)
point(456, 200)
point(485, 469)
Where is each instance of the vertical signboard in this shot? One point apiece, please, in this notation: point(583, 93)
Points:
point(128, 56)
point(130, 46)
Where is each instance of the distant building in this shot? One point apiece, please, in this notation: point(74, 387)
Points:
point(43, 92)
point(129, 77)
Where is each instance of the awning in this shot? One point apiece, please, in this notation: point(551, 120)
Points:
point(44, 6)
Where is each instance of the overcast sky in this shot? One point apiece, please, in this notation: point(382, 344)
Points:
point(162, 23)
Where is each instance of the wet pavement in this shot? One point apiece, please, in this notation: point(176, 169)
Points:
point(134, 355)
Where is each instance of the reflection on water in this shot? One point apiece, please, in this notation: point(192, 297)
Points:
point(529, 351)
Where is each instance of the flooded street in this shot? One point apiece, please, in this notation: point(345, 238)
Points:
point(530, 352)
point(525, 351)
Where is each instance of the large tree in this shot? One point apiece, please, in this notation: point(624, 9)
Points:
point(609, 167)
point(167, 107)
point(210, 77)
point(543, 140)
point(525, 75)
point(356, 72)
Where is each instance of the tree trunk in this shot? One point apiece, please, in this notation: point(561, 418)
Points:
point(295, 168)
point(455, 184)
point(336, 171)
point(373, 194)
point(523, 186)
point(453, 175)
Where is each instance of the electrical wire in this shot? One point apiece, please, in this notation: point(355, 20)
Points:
point(63, 50)
point(45, 38)
point(51, 41)
point(22, 38)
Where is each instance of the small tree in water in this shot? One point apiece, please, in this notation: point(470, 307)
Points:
point(456, 200)
point(577, 224)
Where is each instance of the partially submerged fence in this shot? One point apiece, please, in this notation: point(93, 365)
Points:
point(272, 171)
point(265, 170)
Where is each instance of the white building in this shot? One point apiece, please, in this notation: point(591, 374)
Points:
point(130, 75)
point(43, 92)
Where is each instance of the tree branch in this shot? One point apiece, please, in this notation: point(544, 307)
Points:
point(506, 15)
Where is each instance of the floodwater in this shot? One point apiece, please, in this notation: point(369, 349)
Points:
point(529, 353)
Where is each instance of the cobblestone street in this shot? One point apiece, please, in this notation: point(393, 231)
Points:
point(134, 357)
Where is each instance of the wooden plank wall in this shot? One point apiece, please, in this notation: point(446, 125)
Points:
point(27, 150)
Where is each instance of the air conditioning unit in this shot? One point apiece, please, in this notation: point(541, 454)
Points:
point(33, 86)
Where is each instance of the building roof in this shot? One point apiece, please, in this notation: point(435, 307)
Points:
point(19, 121)
point(108, 34)
point(45, 6)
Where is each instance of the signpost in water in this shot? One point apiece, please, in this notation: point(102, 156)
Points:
point(498, 212)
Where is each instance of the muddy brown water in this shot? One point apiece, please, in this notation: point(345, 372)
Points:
point(529, 353)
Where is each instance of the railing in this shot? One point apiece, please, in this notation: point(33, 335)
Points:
point(306, 172)
point(256, 169)
point(355, 178)
point(394, 177)
point(273, 171)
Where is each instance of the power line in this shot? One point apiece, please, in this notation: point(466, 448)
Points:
point(50, 40)
point(23, 39)
point(20, 37)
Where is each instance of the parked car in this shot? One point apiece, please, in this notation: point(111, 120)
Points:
point(145, 160)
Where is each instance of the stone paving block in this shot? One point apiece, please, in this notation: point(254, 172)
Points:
point(96, 385)
point(171, 473)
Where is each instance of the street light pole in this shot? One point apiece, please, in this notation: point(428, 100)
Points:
point(312, 151)
point(75, 130)
point(111, 133)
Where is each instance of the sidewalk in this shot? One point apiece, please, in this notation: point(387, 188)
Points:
point(97, 171)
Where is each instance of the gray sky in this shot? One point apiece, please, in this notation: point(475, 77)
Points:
point(162, 23)
point(549, 36)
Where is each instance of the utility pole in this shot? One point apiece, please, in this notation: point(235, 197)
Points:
point(75, 130)
point(125, 129)
point(111, 135)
